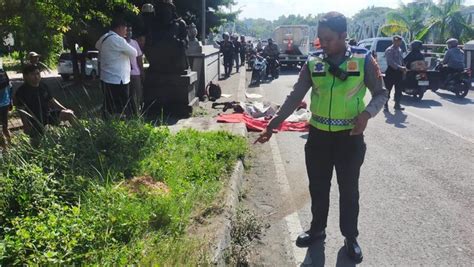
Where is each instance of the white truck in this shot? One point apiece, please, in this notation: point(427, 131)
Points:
point(293, 41)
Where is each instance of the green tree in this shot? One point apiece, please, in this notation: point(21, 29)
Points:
point(36, 25)
point(446, 21)
point(408, 19)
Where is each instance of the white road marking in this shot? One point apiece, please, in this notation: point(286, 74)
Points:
point(292, 220)
point(440, 127)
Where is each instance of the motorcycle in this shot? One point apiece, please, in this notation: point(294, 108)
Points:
point(273, 67)
point(259, 70)
point(251, 59)
point(457, 82)
point(416, 83)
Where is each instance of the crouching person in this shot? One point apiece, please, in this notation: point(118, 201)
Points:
point(36, 105)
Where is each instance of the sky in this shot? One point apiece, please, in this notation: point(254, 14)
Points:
point(272, 9)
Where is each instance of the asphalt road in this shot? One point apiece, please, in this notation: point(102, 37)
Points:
point(417, 188)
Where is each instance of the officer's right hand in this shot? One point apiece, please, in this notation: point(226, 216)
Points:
point(264, 137)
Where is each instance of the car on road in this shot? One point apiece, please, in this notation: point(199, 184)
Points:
point(65, 66)
point(378, 46)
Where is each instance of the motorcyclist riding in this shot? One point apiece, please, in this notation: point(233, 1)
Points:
point(453, 60)
point(271, 52)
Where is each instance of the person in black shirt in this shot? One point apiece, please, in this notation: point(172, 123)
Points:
point(243, 50)
point(415, 54)
point(36, 105)
point(237, 47)
point(227, 49)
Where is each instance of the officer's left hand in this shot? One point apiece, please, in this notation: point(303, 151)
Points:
point(360, 123)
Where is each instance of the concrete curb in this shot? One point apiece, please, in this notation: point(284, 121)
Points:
point(223, 238)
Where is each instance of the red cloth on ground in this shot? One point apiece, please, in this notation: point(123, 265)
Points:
point(261, 124)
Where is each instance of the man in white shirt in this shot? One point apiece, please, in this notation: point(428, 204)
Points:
point(136, 78)
point(115, 54)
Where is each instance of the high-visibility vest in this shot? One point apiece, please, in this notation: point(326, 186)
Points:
point(334, 102)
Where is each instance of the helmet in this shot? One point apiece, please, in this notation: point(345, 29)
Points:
point(416, 45)
point(148, 8)
point(225, 34)
point(453, 42)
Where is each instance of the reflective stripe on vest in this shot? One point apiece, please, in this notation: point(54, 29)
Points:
point(335, 103)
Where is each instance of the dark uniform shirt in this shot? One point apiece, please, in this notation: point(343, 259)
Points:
point(237, 47)
point(227, 48)
point(34, 100)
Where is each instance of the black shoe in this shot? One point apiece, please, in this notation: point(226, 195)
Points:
point(398, 107)
point(353, 249)
point(305, 239)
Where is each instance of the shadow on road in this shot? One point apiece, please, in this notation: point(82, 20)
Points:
point(343, 260)
point(289, 71)
point(315, 255)
point(454, 99)
point(424, 103)
point(397, 119)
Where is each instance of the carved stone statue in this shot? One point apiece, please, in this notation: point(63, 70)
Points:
point(166, 38)
point(170, 86)
point(192, 32)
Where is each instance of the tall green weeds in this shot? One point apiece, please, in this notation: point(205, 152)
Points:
point(69, 199)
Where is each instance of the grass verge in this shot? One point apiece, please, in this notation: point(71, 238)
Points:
point(115, 192)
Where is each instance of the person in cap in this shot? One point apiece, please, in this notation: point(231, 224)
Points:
point(339, 76)
point(395, 71)
point(34, 59)
point(115, 68)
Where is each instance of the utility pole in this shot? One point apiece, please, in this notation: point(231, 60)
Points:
point(203, 24)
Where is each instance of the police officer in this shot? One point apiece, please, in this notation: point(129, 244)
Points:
point(395, 71)
point(338, 75)
point(227, 49)
point(243, 50)
point(237, 47)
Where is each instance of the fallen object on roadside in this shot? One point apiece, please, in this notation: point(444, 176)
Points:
point(259, 124)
